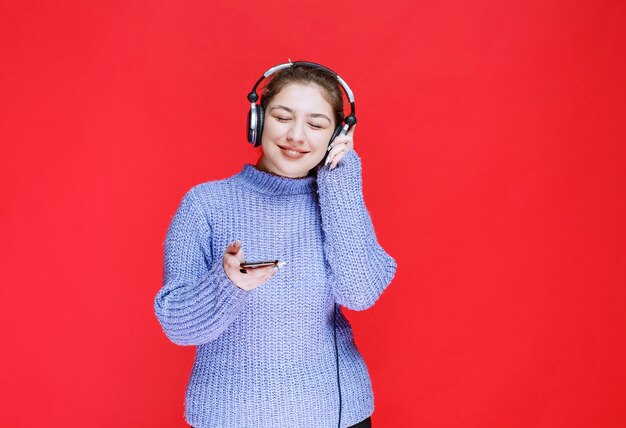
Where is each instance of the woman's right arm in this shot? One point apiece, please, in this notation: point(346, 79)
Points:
point(198, 300)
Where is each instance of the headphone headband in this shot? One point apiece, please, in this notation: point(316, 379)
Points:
point(279, 67)
point(253, 96)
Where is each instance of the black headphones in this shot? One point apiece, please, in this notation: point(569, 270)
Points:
point(256, 115)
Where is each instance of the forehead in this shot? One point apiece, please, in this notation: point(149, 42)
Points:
point(306, 97)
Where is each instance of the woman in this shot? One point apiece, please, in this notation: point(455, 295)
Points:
point(266, 337)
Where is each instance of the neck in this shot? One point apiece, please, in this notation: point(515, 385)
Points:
point(261, 165)
point(274, 184)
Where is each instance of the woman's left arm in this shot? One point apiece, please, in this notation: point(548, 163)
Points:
point(360, 268)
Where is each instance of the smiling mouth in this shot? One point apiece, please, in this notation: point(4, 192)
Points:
point(293, 152)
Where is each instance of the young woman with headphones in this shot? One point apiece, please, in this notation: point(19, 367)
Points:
point(273, 347)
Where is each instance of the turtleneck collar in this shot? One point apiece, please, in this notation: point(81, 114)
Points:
point(272, 184)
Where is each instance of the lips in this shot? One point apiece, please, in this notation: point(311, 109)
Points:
point(292, 152)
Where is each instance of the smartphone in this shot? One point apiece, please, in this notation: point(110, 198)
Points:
point(252, 265)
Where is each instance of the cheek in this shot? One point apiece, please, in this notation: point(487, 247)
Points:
point(321, 139)
point(272, 134)
point(272, 129)
point(319, 148)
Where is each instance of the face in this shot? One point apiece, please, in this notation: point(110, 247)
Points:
point(298, 125)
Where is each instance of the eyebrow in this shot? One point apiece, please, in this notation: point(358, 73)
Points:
point(316, 115)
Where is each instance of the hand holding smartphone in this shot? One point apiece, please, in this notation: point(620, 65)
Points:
point(247, 275)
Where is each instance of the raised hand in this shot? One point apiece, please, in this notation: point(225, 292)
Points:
point(340, 146)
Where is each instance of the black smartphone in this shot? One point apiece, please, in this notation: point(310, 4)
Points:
point(252, 265)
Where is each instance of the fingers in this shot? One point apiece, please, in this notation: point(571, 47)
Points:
point(339, 149)
point(336, 159)
point(233, 247)
point(234, 254)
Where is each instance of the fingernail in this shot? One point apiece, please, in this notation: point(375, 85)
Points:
point(237, 243)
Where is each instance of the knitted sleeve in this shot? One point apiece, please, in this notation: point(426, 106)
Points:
point(360, 268)
point(198, 300)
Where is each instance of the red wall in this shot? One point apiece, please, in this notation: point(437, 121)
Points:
point(493, 138)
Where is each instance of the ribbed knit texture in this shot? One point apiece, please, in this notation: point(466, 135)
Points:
point(266, 357)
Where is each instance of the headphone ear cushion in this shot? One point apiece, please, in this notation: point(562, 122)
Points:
point(259, 125)
point(249, 130)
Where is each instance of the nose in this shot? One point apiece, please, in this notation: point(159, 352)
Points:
point(296, 133)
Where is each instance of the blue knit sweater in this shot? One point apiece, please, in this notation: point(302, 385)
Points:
point(266, 357)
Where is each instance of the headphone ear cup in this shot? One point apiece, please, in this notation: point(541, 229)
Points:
point(260, 118)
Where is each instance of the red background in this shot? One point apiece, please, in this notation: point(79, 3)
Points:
point(492, 137)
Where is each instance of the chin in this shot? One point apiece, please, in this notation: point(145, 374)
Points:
point(294, 167)
point(294, 171)
point(280, 164)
